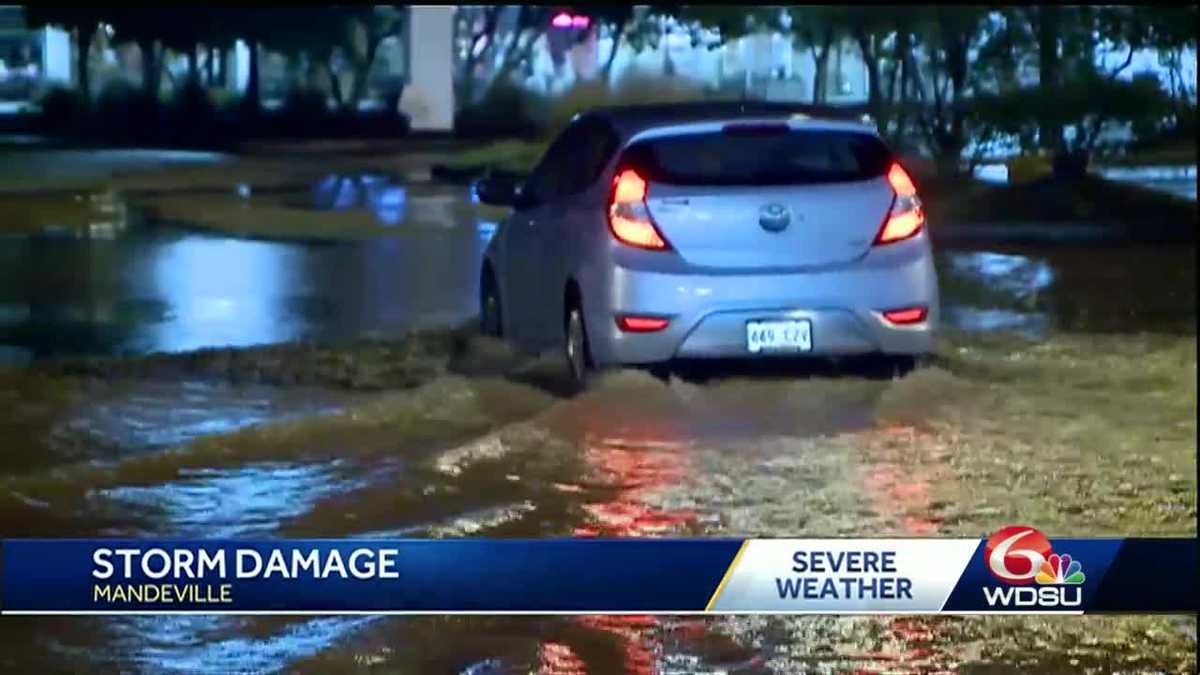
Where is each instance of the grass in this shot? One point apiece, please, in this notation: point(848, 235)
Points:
point(263, 218)
point(515, 156)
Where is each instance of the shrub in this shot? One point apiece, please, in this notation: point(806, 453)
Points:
point(192, 112)
point(62, 110)
point(1028, 168)
point(305, 111)
point(505, 110)
point(125, 112)
point(634, 89)
point(1086, 107)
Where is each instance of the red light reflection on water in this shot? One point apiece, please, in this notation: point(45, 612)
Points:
point(626, 463)
point(633, 469)
point(899, 485)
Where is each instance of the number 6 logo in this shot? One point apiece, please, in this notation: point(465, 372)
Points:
point(1014, 554)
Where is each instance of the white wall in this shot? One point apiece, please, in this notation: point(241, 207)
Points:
point(238, 69)
point(56, 56)
point(428, 97)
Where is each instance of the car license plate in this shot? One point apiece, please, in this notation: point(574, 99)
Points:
point(779, 336)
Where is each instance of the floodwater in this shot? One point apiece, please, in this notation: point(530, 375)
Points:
point(1177, 180)
point(461, 455)
point(122, 284)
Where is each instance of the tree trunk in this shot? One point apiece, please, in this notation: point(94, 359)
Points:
point(193, 64)
point(867, 50)
point(151, 72)
point(1050, 134)
point(902, 66)
point(819, 61)
point(466, 80)
point(362, 71)
point(612, 53)
point(84, 48)
point(251, 98)
point(510, 52)
point(516, 56)
point(335, 86)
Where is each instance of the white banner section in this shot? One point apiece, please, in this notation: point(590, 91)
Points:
point(843, 575)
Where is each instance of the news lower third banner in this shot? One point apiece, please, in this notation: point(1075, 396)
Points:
point(1017, 569)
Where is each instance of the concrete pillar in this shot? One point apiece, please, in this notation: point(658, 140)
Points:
point(428, 97)
point(237, 66)
point(56, 56)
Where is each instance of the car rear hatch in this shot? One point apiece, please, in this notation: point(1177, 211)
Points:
point(765, 195)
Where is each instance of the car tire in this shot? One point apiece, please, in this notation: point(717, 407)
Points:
point(901, 366)
point(576, 349)
point(491, 317)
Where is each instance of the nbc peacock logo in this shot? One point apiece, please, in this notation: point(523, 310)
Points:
point(1021, 556)
point(1060, 569)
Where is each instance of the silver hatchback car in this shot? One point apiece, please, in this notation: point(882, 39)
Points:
point(652, 233)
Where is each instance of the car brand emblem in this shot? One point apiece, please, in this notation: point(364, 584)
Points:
point(774, 217)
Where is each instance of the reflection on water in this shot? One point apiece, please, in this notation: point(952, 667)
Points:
point(339, 192)
point(112, 288)
point(1029, 324)
point(1176, 180)
point(1033, 290)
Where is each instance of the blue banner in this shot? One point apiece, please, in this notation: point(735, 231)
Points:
point(462, 575)
point(1017, 569)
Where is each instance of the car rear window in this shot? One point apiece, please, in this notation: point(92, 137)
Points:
point(787, 157)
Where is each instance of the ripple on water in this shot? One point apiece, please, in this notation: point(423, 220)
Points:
point(211, 644)
point(250, 500)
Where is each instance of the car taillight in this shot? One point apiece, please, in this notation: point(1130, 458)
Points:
point(628, 216)
point(906, 316)
point(642, 324)
point(905, 218)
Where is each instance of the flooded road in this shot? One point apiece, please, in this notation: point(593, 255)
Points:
point(126, 280)
point(478, 444)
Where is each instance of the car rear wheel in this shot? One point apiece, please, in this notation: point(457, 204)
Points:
point(490, 317)
point(904, 365)
point(576, 347)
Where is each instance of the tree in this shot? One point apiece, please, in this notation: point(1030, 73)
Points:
point(871, 28)
point(481, 42)
point(364, 28)
point(144, 26)
point(817, 27)
point(531, 23)
point(948, 35)
point(616, 18)
point(254, 26)
point(506, 31)
point(82, 21)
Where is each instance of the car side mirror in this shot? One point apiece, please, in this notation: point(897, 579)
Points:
point(498, 190)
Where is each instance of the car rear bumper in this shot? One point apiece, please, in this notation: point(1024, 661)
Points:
point(708, 312)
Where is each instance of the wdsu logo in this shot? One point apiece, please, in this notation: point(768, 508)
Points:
point(1033, 575)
